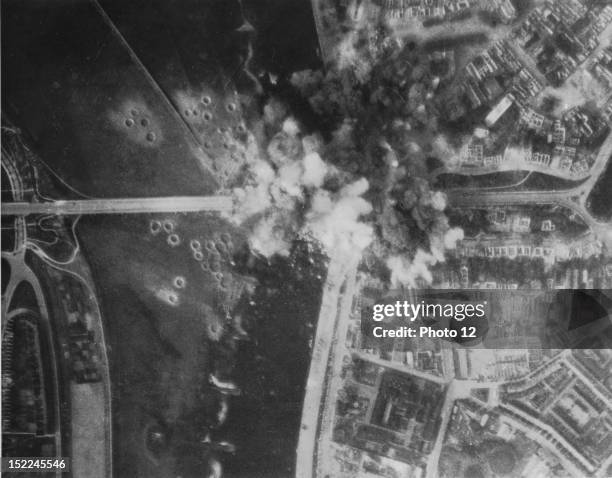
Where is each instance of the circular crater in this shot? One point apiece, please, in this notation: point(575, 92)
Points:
point(168, 226)
point(179, 282)
point(222, 248)
point(155, 227)
point(173, 298)
point(214, 265)
point(174, 240)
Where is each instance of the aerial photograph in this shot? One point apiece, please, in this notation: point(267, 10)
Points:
point(306, 238)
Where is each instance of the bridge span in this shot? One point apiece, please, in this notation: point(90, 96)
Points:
point(120, 206)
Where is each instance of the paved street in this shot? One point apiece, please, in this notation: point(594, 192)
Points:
point(90, 447)
point(335, 309)
point(573, 199)
point(121, 206)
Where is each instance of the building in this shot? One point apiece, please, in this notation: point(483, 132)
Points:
point(532, 119)
point(540, 158)
point(547, 225)
point(491, 161)
point(558, 133)
point(521, 223)
point(498, 110)
point(474, 154)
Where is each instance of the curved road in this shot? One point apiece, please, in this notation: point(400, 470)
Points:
point(573, 199)
point(335, 306)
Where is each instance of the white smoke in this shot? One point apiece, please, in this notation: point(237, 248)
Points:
point(269, 238)
point(429, 205)
point(438, 201)
point(453, 236)
point(334, 219)
point(406, 272)
point(284, 196)
point(315, 170)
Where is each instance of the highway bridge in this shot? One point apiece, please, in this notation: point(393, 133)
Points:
point(120, 206)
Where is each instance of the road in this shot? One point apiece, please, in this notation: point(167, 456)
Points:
point(581, 191)
point(21, 272)
point(121, 206)
point(445, 415)
point(506, 167)
point(478, 199)
point(573, 199)
point(481, 199)
point(90, 445)
point(90, 429)
point(92, 433)
point(334, 380)
point(400, 367)
point(537, 436)
point(335, 309)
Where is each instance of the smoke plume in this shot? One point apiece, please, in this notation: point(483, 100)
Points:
point(285, 196)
